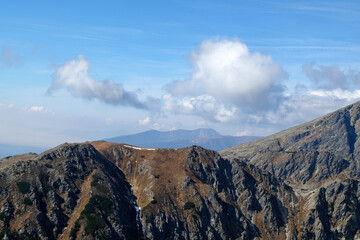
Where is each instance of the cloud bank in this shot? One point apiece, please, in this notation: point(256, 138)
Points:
point(229, 84)
point(74, 77)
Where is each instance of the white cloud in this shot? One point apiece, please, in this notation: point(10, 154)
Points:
point(227, 71)
point(36, 109)
point(157, 126)
point(74, 77)
point(243, 133)
point(145, 121)
point(201, 123)
point(109, 121)
point(337, 94)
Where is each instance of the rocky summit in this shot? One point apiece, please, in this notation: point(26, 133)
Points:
point(302, 183)
point(320, 160)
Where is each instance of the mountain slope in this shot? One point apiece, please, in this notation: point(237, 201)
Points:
point(193, 193)
point(206, 138)
point(68, 191)
point(115, 191)
point(310, 153)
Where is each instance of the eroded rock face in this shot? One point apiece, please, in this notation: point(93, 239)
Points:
point(320, 160)
point(51, 195)
point(311, 152)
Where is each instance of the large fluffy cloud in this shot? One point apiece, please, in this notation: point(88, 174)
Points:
point(227, 71)
point(74, 77)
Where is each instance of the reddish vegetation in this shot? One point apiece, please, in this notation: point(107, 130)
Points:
point(166, 170)
point(84, 199)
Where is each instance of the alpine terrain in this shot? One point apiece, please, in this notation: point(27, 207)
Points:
point(302, 183)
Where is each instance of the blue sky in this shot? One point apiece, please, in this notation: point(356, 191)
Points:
point(85, 70)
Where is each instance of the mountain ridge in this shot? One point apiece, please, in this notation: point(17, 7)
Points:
point(329, 142)
point(301, 183)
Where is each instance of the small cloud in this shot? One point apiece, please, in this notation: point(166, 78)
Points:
point(157, 126)
point(109, 121)
point(201, 123)
point(9, 57)
point(10, 106)
point(243, 133)
point(36, 109)
point(36, 49)
point(145, 121)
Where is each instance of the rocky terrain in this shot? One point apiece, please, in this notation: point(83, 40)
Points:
point(70, 192)
point(193, 193)
point(320, 160)
point(302, 183)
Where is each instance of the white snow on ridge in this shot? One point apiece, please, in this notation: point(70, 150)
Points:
point(139, 148)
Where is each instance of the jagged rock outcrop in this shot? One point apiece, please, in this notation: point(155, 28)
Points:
point(313, 152)
point(70, 191)
point(320, 160)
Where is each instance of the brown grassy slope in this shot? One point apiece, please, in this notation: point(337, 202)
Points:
point(153, 174)
point(83, 200)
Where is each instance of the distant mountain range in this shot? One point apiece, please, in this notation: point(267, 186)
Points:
point(205, 137)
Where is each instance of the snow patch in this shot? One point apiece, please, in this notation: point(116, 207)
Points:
point(139, 148)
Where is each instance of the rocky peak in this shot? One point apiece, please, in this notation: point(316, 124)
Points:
point(313, 152)
point(68, 192)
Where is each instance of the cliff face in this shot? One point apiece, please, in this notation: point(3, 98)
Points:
point(68, 192)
